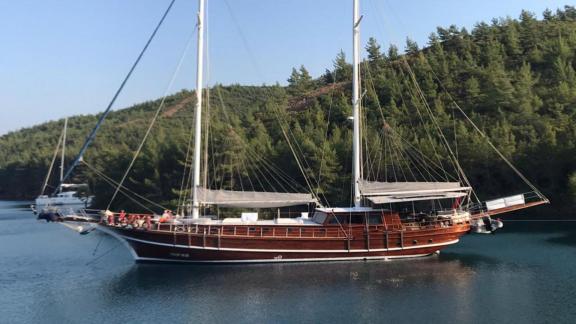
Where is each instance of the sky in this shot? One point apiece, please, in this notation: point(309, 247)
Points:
point(67, 57)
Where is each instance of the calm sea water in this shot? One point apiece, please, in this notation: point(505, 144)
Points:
point(50, 274)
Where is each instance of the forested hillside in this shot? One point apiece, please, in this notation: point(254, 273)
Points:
point(515, 78)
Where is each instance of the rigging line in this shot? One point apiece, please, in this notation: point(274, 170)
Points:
point(391, 158)
point(402, 159)
point(52, 163)
point(103, 254)
point(185, 172)
point(532, 186)
point(268, 166)
point(254, 170)
point(383, 156)
point(434, 174)
point(108, 181)
point(246, 146)
point(296, 157)
point(380, 156)
point(267, 169)
point(370, 82)
point(415, 96)
point(257, 170)
point(432, 144)
point(270, 176)
point(416, 157)
point(256, 67)
point(153, 121)
point(371, 160)
point(455, 131)
point(423, 156)
point(305, 161)
point(326, 132)
point(125, 189)
point(408, 160)
point(240, 178)
point(280, 174)
point(125, 192)
point(248, 174)
point(244, 40)
point(92, 135)
point(435, 122)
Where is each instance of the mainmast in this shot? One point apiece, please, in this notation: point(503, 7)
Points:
point(198, 114)
point(63, 152)
point(356, 173)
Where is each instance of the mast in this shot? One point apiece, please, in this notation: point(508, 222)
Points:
point(356, 176)
point(198, 112)
point(63, 152)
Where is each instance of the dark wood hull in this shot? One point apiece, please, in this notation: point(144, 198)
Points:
point(207, 245)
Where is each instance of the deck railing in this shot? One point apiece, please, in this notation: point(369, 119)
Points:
point(150, 222)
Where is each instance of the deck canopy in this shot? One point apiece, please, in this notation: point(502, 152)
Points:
point(394, 192)
point(253, 199)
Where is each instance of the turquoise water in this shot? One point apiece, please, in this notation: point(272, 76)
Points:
point(49, 274)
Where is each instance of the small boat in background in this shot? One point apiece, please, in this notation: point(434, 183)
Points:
point(68, 196)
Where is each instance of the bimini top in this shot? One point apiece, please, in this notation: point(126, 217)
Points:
point(253, 199)
point(393, 192)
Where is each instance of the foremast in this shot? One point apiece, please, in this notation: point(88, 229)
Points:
point(356, 162)
point(198, 110)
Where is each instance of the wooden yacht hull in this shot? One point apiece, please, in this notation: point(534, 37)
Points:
point(186, 247)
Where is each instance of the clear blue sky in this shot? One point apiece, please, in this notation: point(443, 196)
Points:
point(67, 57)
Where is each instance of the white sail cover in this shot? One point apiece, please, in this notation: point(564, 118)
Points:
point(393, 192)
point(252, 199)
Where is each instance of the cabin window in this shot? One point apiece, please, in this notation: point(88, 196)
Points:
point(374, 219)
point(319, 218)
point(357, 219)
point(338, 219)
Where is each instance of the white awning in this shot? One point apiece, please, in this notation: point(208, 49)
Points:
point(404, 198)
point(74, 185)
point(395, 192)
point(372, 188)
point(253, 199)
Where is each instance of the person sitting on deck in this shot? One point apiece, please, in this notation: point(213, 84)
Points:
point(140, 221)
point(108, 217)
point(122, 217)
point(166, 217)
point(148, 222)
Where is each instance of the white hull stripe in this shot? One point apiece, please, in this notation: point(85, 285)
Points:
point(278, 260)
point(278, 250)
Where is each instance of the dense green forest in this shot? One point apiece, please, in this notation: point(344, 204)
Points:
point(515, 78)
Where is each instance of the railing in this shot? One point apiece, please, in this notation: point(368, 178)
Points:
point(152, 222)
point(256, 231)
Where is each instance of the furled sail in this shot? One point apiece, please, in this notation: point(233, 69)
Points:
point(393, 192)
point(252, 199)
